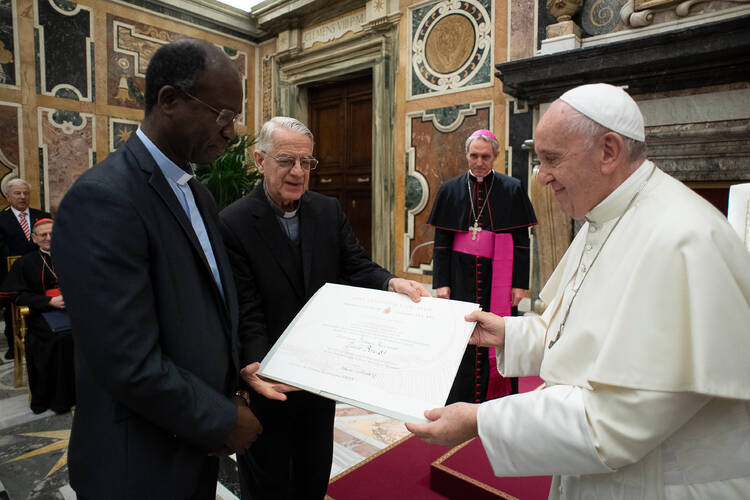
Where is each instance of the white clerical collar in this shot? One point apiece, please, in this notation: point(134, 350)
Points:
point(613, 205)
point(480, 179)
point(169, 168)
point(277, 209)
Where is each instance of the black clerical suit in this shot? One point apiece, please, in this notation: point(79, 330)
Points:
point(49, 355)
point(275, 278)
point(156, 348)
point(502, 206)
point(13, 242)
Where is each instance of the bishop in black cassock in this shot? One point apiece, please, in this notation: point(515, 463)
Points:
point(32, 282)
point(480, 202)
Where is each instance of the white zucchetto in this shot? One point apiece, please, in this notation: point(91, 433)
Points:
point(609, 106)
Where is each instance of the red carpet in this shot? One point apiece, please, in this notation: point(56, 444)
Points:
point(399, 471)
point(410, 469)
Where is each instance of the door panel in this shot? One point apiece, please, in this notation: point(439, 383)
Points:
point(341, 120)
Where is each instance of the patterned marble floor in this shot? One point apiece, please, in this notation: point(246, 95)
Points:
point(33, 448)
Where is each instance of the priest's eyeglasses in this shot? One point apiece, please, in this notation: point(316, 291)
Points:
point(288, 162)
point(223, 117)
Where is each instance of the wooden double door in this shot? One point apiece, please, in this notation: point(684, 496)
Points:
point(341, 120)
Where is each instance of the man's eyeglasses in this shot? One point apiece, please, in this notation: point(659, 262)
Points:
point(287, 162)
point(223, 117)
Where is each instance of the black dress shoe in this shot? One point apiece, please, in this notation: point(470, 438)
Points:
point(37, 409)
point(9, 354)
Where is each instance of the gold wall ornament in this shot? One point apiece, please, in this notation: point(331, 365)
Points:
point(457, 38)
point(449, 44)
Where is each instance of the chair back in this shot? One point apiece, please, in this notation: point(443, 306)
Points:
point(18, 316)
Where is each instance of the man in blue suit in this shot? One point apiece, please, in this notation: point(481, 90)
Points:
point(149, 289)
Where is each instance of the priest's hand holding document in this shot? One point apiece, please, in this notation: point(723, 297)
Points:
point(456, 423)
point(373, 349)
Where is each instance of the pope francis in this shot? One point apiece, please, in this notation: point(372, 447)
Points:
point(644, 345)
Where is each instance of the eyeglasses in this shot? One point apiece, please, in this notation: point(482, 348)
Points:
point(223, 118)
point(288, 162)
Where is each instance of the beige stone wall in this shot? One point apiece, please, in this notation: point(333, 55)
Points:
point(60, 137)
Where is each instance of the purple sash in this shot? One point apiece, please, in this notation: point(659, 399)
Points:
point(499, 248)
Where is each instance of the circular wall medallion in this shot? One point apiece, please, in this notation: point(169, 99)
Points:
point(449, 44)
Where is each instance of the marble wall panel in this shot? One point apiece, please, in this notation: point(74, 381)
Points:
point(450, 47)
point(130, 46)
point(9, 73)
point(521, 36)
point(64, 40)
point(435, 154)
point(11, 143)
point(66, 150)
point(120, 130)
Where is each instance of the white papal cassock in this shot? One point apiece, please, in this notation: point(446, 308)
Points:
point(648, 386)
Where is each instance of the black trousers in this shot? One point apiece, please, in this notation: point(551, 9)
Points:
point(207, 484)
point(291, 460)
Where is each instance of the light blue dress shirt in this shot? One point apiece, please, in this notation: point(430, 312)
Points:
point(178, 179)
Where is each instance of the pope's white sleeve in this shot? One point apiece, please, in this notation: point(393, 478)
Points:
point(626, 424)
point(570, 430)
point(524, 346)
point(539, 433)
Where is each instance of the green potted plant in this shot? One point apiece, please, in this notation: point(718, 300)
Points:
point(233, 174)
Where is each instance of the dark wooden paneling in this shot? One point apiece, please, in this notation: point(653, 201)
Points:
point(341, 120)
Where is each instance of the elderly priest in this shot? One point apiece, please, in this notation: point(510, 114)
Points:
point(644, 344)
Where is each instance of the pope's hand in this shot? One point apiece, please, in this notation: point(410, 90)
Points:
point(412, 288)
point(489, 330)
point(267, 388)
point(449, 426)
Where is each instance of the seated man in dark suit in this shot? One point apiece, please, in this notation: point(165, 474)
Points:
point(16, 222)
point(49, 344)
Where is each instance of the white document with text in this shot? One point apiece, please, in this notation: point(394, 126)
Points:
point(373, 349)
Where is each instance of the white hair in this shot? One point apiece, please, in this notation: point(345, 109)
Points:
point(15, 182)
point(591, 131)
point(264, 140)
point(493, 142)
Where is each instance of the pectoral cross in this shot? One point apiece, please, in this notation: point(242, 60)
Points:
point(475, 229)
